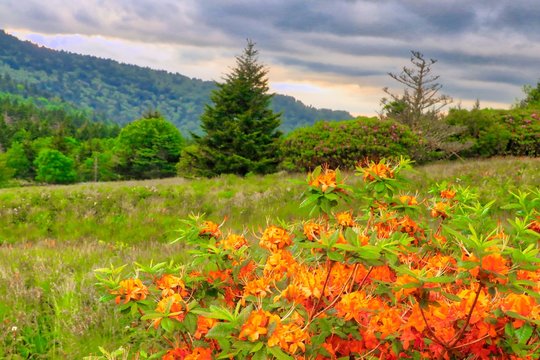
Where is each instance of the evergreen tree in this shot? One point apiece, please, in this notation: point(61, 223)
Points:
point(240, 128)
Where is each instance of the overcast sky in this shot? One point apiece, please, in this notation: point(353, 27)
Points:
point(333, 54)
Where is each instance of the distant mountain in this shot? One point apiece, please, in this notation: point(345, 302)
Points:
point(121, 92)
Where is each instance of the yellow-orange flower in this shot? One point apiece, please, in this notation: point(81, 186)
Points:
point(211, 229)
point(448, 194)
point(255, 326)
point(495, 263)
point(176, 354)
point(170, 284)
point(312, 230)
point(440, 210)
point(200, 353)
point(377, 170)
point(275, 238)
point(204, 325)
point(345, 219)
point(535, 225)
point(233, 242)
point(408, 200)
point(278, 264)
point(258, 287)
point(130, 289)
point(289, 337)
point(174, 304)
point(327, 179)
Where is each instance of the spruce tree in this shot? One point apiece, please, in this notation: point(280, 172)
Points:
point(240, 129)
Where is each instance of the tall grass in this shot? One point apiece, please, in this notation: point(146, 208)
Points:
point(53, 238)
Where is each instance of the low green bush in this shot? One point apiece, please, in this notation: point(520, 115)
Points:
point(341, 144)
point(499, 132)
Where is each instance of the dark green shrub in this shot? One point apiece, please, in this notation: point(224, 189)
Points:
point(342, 144)
point(499, 132)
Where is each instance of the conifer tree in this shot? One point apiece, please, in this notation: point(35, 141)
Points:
point(240, 128)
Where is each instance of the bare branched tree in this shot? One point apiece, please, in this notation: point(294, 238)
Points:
point(420, 105)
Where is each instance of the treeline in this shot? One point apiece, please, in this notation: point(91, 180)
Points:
point(121, 92)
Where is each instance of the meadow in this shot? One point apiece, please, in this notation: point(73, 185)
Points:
point(53, 238)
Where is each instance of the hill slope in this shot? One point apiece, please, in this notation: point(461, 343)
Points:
point(122, 92)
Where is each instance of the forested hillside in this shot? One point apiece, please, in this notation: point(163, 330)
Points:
point(122, 92)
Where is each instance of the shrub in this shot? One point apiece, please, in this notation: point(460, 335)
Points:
point(403, 277)
point(342, 144)
point(53, 167)
point(499, 132)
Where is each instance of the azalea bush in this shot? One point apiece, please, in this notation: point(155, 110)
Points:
point(323, 143)
point(402, 277)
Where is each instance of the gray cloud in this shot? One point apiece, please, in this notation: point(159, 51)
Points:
point(478, 42)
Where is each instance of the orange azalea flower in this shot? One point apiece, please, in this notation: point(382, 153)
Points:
point(379, 170)
point(289, 337)
point(403, 280)
point(247, 272)
point(448, 194)
point(211, 229)
point(293, 293)
point(204, 324)
point(176, 354)
point(275, 238)
point(130, 289)
point(310, 281)
point(521, 304)
point(278, 265)
point(175, 306)
point(535, 225)
point(233, 242)
point(258, 287)
point(408, 200)
point(325, 180)
point(383, 273)
point(408, 226)
point(495, 263)
point(170, 284)
point(200, 353)
point(356, 305)
point(440, 210)
point(221, 275)
point(345, 219)
point(255, 326)
point(312, 230)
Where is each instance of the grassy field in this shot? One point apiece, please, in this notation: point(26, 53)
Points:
point(53, 238)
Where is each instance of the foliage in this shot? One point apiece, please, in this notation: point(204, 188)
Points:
point(17, 160)
point(240, 131)
point(6, 171)
point(532, 96)
point(149, 148)
point(419, 107)
point(121, 92)
point(53, 167)
point(403, 277)
point(499, 132)
point(323, 143)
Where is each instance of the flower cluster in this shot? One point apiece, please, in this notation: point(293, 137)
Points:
point(402, 278)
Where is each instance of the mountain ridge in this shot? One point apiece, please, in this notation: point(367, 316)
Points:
point(122, 92)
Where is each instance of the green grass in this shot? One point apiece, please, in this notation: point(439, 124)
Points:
point(53, 238)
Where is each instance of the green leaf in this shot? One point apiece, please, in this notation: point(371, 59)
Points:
point(258, 346)
point(524, 333)
point(167, 324)
point(279, 354)
point(220, 330)
point(440, 279)
point(451, 296)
